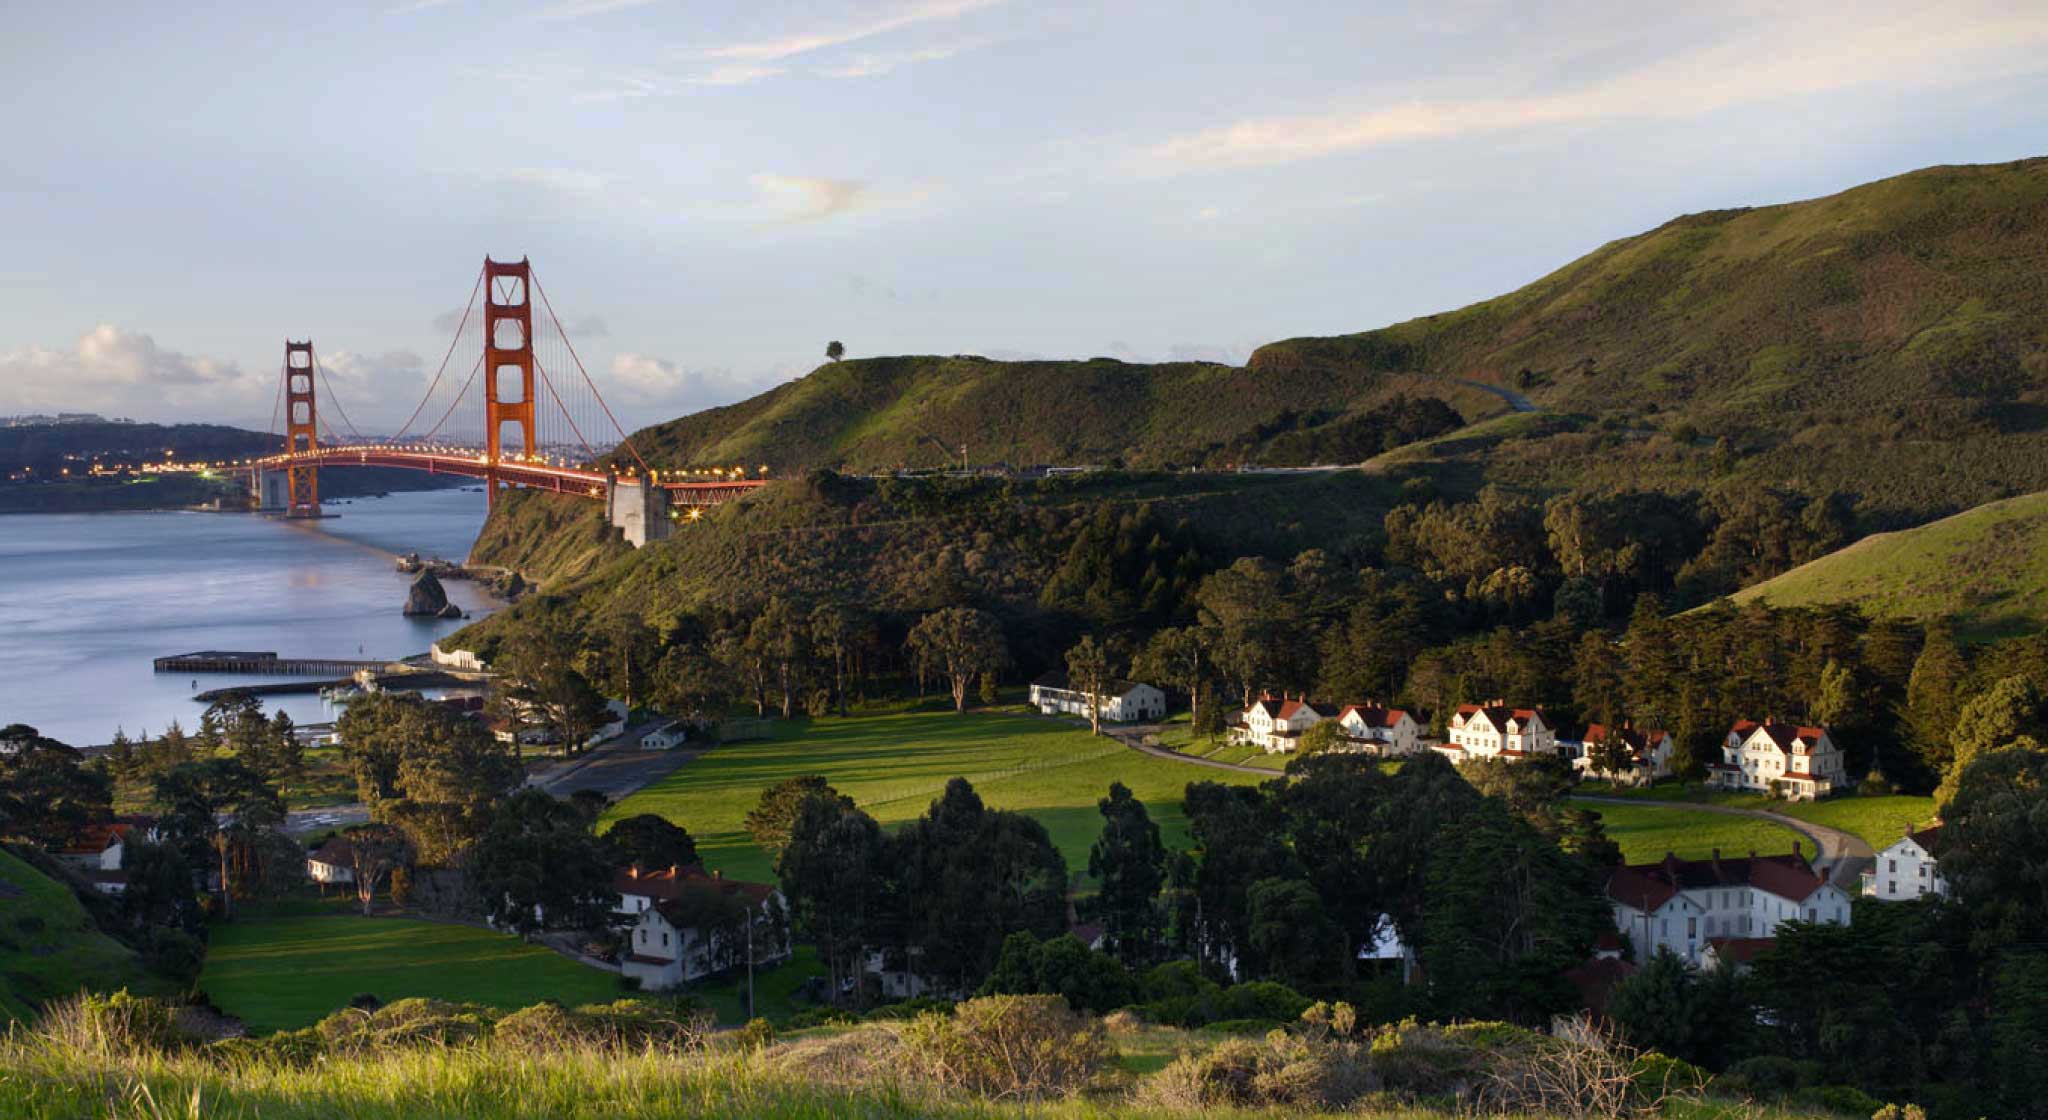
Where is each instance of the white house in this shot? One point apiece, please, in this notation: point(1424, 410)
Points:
point(104, 846)
point(667, 945)
point(1380, 730)
point(1907, 869)
point(1122, 701)
point(1494, 730)
point(667, 737)
point(1780, 759)
point(1650, 751)
point(332, 863)
point(1274, 725)
point(1682, 905)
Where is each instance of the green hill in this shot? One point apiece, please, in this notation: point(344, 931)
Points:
point(49, 945)
point(1890, 341)
point(1985, 569)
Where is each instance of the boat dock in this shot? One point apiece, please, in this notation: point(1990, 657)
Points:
point(263, 663)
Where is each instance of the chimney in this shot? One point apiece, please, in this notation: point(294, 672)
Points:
point(673, 870)
point(633, 872)
point(1796, 851)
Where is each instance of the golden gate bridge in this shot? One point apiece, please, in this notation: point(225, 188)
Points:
point(527, 415)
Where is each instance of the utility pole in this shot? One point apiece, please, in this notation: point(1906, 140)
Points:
point(750, 965)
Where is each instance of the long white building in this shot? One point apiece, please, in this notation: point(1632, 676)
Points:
point(1681, 905)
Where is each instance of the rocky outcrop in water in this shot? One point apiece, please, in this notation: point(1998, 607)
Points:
point(427, 599)
point(452, 611)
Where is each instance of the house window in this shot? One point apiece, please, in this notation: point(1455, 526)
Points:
point(1692, 927)
point(1812, 915)
point(1893, 866)
point(664, 941)
point(643, 937)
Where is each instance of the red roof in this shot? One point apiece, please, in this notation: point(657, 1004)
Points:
point(1928, 838)
point(1787, 737)
point(1740, 950)
point(1649, 886)
point(1499, 714)
point(1374, 715)
point(336, 852)
point(98, 838)
point(670, 883)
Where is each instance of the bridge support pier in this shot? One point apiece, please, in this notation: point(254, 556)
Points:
point(637, 508)
point(271, 489)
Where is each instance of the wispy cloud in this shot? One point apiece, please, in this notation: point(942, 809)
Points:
point(584, 9)
point(1802, 54)
point(804, 42)
point(872, 65)
point(792, 199)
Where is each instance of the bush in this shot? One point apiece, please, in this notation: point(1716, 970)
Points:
point(817, 1017)
point(907, 1009)
point(1025, 1047)
point(113, 1025)
point(758, 1034)
point(1836, 1098)
point(1317, 1064)
point(402, 1024)
point(1768, 1075)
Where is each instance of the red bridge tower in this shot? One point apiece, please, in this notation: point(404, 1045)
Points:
point(508, 359)
point(301, 430)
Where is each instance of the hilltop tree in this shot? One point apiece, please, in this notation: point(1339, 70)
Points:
point(959, 643)
point(1129, 861)
point(1089, 671)
point(835, 350)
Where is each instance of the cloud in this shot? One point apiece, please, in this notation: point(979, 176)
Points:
point(646, 383)
point(1806, 52)
point(799, 198)
point(804, 42)
point(583, 9)
point(109, 369)
point(875, 65)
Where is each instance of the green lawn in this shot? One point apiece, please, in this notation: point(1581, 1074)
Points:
point(893, 765)
point(774, 989)
point(1878, 820)
point(279, 973)
point(1646, 832)
point(49, 946)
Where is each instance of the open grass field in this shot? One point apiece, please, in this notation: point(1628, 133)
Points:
point(1985, 568)
point(279, 973)
point(894, 764)
point(49, 946)
point(1878, 820)
point(1646, 832)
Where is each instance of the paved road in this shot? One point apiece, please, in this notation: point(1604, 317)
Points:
point(301, 821)
point(1134, 736)
point(1515, 400)
point(1845, 855)
point(615, 769)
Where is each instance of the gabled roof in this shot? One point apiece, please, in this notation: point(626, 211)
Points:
point(1928, 838)
point(1740, 950)
point(1639, 743)
point(1787, 737)
point(336, 852)
point(1374, 715)
point(1649, 886)
point(1498, 715)
point(97, 838)
point(1115, 686)
point(671, 883)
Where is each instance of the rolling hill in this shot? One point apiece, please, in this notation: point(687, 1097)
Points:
point(49, 945)
point(1986, 570)
point(1890, 341)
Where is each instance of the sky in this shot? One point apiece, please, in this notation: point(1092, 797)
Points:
point(710, 191)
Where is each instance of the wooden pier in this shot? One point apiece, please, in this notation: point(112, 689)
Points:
point(264, 663)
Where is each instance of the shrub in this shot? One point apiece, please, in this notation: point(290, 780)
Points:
point(1028, 1047)
point(1123, 1021)
point(1837, 1098)
point(907, 1009)
point(111, 1025)
point(817, 1017)
point(758, 1034)
point(1317, 1064)
point(404, 1023)
point(1768, 1075)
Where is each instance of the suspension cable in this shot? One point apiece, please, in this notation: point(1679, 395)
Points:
point(333, 398)
point(624, 440)
point(452, 344)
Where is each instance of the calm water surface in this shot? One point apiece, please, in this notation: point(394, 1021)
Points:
point(88, 599)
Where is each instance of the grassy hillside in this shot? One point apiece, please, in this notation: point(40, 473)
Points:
point(895, 765)
point(49, 945)
point(1985, 569)
point(1890, 340)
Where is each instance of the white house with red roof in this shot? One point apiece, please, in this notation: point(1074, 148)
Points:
point(1496, 730)
point(671, 942)
point(1377, 729)
point(1684, 905)
point(1276, 725)
point(1908, 869)
point(1649, 750)
point(1795, 762)
point(332, 863)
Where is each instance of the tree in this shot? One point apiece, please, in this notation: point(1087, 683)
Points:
point(837, 631)
point(691, 681)
point(780, 636)
point(1129, 861)
point(433, 772)
point(651, 841)
point(1611, 754)
point(1585, 836)
point(1599, 679)
point(835, 350)
point(959, 643)
point(770, 821)
point(1174, 658)
point(629, 648)
point(1836, 700)
point(1325, 735)
point(1089, 671)
point(1291, 936)
point(1242, 835)
point(538, 660)
point(217, 803)
point(46, 795)
point(2009, 710)
point(832, 871)
point(1507, 913)
point(1994, 829)
point(968, 876)
point(1931, 699)
point(1670, 1006)
point(539, 868)
point(375, 852)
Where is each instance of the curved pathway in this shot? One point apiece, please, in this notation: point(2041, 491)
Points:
point(1844, 854)
point(1136, 736)
point(1515, 400)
